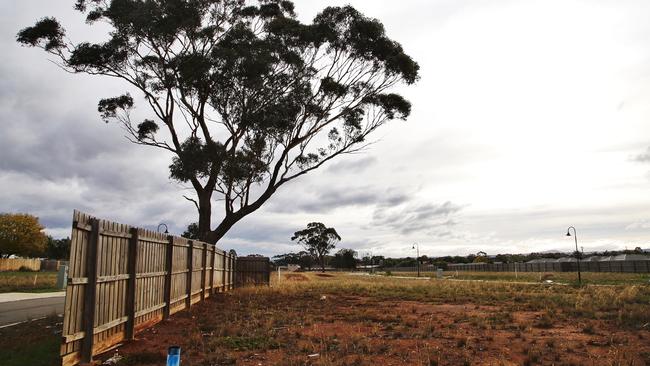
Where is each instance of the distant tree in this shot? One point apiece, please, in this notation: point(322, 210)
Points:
point(58, 248)
point(192, 232)
point(638, 250)
point(306, 260)
point(481, 257)
point(249, 97)
point(22, 235)
point(318, 240)
point(345, 258)
point(303, 259)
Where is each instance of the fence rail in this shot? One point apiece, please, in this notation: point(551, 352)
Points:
point(124, 279)
point(604, 266)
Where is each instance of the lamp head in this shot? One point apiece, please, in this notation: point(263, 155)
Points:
point(568, 233)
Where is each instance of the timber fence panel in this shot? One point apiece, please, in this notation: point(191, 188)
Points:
point(124, 279)
point(14, 264)
point(252, 271)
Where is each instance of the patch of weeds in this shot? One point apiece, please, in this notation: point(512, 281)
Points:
point(461, 342)
point(588, 329)
point(248, 343)
point(533, 356)
point(550, 343)
point(142, 358)
point(545, 321)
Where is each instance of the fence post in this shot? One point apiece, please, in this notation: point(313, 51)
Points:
point(190, 273)
point(90, 293)
point(224, 256)
point(212, 270)
point(168, 277)
point(204, 265)
point(233, 271)
point(132, 260)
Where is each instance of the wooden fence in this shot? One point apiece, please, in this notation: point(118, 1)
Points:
point(14, 264)
point(124, 279)
point(253, 271)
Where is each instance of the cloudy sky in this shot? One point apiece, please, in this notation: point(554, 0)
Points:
point(530, 116)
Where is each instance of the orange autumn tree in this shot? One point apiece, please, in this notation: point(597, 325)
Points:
point(22, 235)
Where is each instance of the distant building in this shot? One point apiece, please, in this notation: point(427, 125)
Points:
point(595, 258)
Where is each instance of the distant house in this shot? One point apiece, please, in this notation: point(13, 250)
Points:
point(595, 258)
point(627, 257)
point(565, 259)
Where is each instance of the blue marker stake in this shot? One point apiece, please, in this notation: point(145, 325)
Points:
point(174, 356)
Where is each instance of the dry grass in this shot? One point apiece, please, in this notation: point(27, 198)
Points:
point(27, 281)
point(357, 320)
point(594, 278)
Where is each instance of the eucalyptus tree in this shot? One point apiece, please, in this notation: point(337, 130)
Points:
point(318, 240)
point(243, 95)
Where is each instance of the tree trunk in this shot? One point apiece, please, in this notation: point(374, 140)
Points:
point(205, 214)
point(232, 218)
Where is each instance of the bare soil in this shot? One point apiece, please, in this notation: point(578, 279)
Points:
point(308, 327)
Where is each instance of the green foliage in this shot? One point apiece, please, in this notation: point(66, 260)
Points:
point(192, 231)
point(58, 248)
point(147, 129)
point(304, 259)
point(47, 33)
point(22, 235)
point(345, 258)
point(318, 240)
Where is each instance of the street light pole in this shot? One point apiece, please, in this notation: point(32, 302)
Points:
point(166, 229)
point(575, 236)
point(416, 246)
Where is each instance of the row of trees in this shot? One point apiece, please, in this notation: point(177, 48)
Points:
point(347, 258)
point(23, 235)
point(344, 259)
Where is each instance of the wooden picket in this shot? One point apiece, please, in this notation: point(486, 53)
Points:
point(123, 279)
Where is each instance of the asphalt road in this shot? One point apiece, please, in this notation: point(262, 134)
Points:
point(22, 310)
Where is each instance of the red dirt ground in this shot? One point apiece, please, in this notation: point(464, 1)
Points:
point(244, 328)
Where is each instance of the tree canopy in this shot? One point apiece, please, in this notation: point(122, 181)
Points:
point(302, 258)
point(58, 248)
point(318, 240)
point(21, 235)
point(243, 95)
point(345, 258)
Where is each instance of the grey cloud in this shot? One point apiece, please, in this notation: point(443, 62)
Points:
point(353, 166)
point(412, 218)
point(321, 198)
point(643, 158)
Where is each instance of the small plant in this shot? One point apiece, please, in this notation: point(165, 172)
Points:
point(588, 329)
point(461, 342)
point(550, 343)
